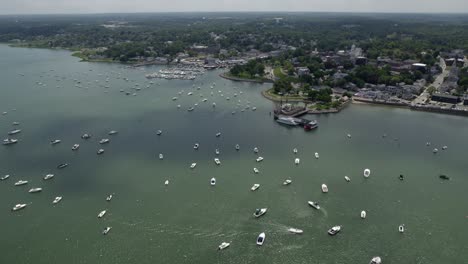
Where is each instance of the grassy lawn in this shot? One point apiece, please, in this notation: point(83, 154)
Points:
point(278, 73)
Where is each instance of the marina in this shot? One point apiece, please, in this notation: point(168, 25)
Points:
point(142, 214)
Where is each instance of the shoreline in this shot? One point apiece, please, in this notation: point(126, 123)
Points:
point(237, 79)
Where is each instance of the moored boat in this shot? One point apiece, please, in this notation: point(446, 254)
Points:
point(334, 230)
point(297, 161)
point(5, 177)
point(316, 155)
point(237, 147)
point(196, 146)
point(367, 173)
point(223, 245)
point(18, 207)
point(100, 151)
point(109, 197)
point(347, 178)
point(35, 190)
point(101, 214)
point(14, 132)
point(295, 230)
point(76, 147)
point(112, 132)
point(259, 212)
point(255, 187)
point(106, 230)
point(63, 165)
point(376, 260)
point(104, 141)
point(48, 177)
point(261, 239)
point(259, 159)
point(55, 141)
point(21, 182)
point(401, 228)
point(286, 120)
point(57, 200)
point(161, 156)
point(10, 141)
point(314, 204)
point(213, 181)
point(86, 136)
point(363, 214)
point(193, 165)
point(256, 170)
point(287, 182)
point(216, 160)
point(324, 188)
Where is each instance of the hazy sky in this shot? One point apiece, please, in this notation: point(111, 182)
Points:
point(112, 6)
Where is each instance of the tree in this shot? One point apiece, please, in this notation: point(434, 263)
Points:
point(282, 86)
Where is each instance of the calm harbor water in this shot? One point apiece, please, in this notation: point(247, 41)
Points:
point(185, 221)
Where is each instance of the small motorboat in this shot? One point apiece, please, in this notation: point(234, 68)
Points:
point(159, 132)
point(428, 144)
point(109, 198)
point(261, 239)
point(255, 150)
point(213, 181)
point(166, 182)
point(317, 155)
point(112, 132)
point(18, 207)
point(401, 177)
point(295, 150)
point(100, 151)
point(76, 147)
point(63, 165)
point(19, 183)
point(106, 230)
point(444, 148)
point(363, 214)
point(196, 146)
point(216, 160)
point(101, 214)
point(349, 135)
point(48, 177)
point(295, 230)
point(86, 136)
point(190, 93)
point(57, 200)
point(347, 178)
point(14, 132)
point(314, 204)
point(254, 108)
point(5, 177)
point(214, 104)
point(287, 182)
point(255, 187)
point(366, 173)
point(161, 156)
point(260, 212)
point(259, 159)
point(218, 134)
point(401, 228)
point(35, 190)
point(55, 141)
point(297, 161)
point(237, 147)
point(256, 170)
point(217, 151)
point(334, 230)
point(104, 141)
point(444, 177)
point(435, 150)
point(9, 141)
point(376, 260)
point(16, 123)
point(324, 188)
point(193, 165)
point(190, 109)
point(223, 245)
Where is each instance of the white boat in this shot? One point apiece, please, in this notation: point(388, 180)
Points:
point(260, 212)
point(259, 159)
point(161, 156)
point(316, 155)
point(104, 141)
point(428, 144)
point(18, 207)
point(366, 173)
point(286, 120)
point(5, 177)
point(218, 134)
point(444, 147)
point(193, 165)
point(261, 239)
point(166, 182)
point(213, 181)
point(435, 150)
point(324, 188)
point(214, 104)
point(297, 161)
point(10, 141)
point(295, 150)
point(63, 165)
point(19, 183)
point(401, 228)
point(14, 132)
point(363, 214)
point(57, 199)
point(100, 151)
point(190, 109)
point(295, 230)
point(190, 93)
point(112, 132)
point(48, 177)
point(216, 160)
point(101, 214)
point(376, 260)
point(174, 98)
point(256, 170)
point(109, 197)
point(347, 178)
point(314, 204)
point(255, 187)
point(223, 245)
point(86, 136)
point(159, 132)
point(334, 230)
point(55, 141)
point(349, 135)
point(35, 190)
point(16, 123)
point(76, 147)
point(287, 182)
point(254, 108)
point(237, 147)
point(106, 230)
point(217, 151)
point(196, 146)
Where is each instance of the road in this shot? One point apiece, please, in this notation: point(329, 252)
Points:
point(437, 83)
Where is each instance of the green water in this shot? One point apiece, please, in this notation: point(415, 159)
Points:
point(185, 221)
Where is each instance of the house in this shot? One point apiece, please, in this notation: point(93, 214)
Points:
point(445, 98)
point(302, 71)
point(419, 67)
